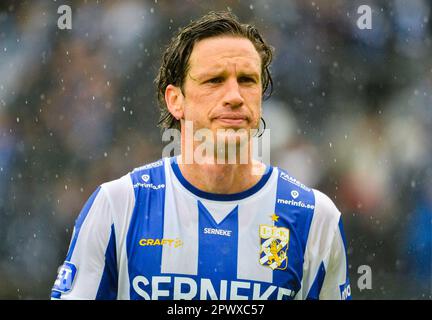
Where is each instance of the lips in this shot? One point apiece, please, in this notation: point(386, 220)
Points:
point(231, 119)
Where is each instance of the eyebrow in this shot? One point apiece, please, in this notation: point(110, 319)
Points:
point(250, 74)
point(217, 72)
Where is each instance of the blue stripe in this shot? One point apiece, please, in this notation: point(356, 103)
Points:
point(342, 232)
point(220, 197)
point(298, 220)
point(80, 220)
point(55, 294)
point(341, 229)
point(347, 281)
point(315, 290)
point(109, 282)
point(217, 254)
point(147, 222)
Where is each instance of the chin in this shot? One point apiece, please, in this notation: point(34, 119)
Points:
point(232, 136)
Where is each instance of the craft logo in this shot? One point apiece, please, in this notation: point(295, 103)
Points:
point(175, 243)
point(274, 246)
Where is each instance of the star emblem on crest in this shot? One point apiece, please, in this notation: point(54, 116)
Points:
point(274, 217)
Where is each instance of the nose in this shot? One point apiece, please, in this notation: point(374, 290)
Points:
point(233, 97)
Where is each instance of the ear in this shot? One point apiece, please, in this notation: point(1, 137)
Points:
point(174, 101)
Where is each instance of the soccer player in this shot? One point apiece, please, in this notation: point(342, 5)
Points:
point(187, 229)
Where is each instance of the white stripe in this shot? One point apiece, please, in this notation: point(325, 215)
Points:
point(257, 210)
point(323, 227)
point(89, 255)
point(219, 210)
point(122, 199)
point(336, 273)
point(180, 222)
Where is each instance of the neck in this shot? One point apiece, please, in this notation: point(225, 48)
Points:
point(222, 178)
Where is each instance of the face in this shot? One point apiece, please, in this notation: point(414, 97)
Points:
point(223, 88)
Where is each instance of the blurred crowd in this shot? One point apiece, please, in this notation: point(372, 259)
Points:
point(350, 115)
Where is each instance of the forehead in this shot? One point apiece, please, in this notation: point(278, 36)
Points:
point(223, 51)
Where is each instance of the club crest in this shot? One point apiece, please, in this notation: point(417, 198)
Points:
point(274, 246)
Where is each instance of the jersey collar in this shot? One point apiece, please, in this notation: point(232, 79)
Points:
point(218, 196)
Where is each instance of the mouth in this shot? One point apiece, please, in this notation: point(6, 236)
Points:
point(231, 119)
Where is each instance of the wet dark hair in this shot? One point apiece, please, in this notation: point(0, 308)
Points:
point(175, 60)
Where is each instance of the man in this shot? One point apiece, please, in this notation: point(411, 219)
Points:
point(208, 228)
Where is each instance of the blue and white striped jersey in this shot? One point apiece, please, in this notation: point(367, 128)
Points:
point(153, 235)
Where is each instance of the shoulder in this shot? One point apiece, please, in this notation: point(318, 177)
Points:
point(136, 175)
point(324, 209)
point(325, 206)
point(120, 192)
point(293, 192)
point(148, 167)
point(117, 189)
point(291, 181)
point(150, 177)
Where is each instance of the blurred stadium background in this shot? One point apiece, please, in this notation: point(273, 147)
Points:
point(351, 115)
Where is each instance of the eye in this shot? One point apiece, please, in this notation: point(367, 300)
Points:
point(215, 80)
point(246, 79)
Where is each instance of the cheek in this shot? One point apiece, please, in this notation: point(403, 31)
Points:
point(253, 93)
point(256, 121)
point(196, 106)
point(202, 97)
point(255, 105)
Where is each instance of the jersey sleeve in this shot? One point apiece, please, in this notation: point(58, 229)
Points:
point(325, 267)
point(90, 268)
point(336, 284)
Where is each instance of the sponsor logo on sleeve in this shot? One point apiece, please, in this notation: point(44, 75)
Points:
point(65, 277)
point(345, 291)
